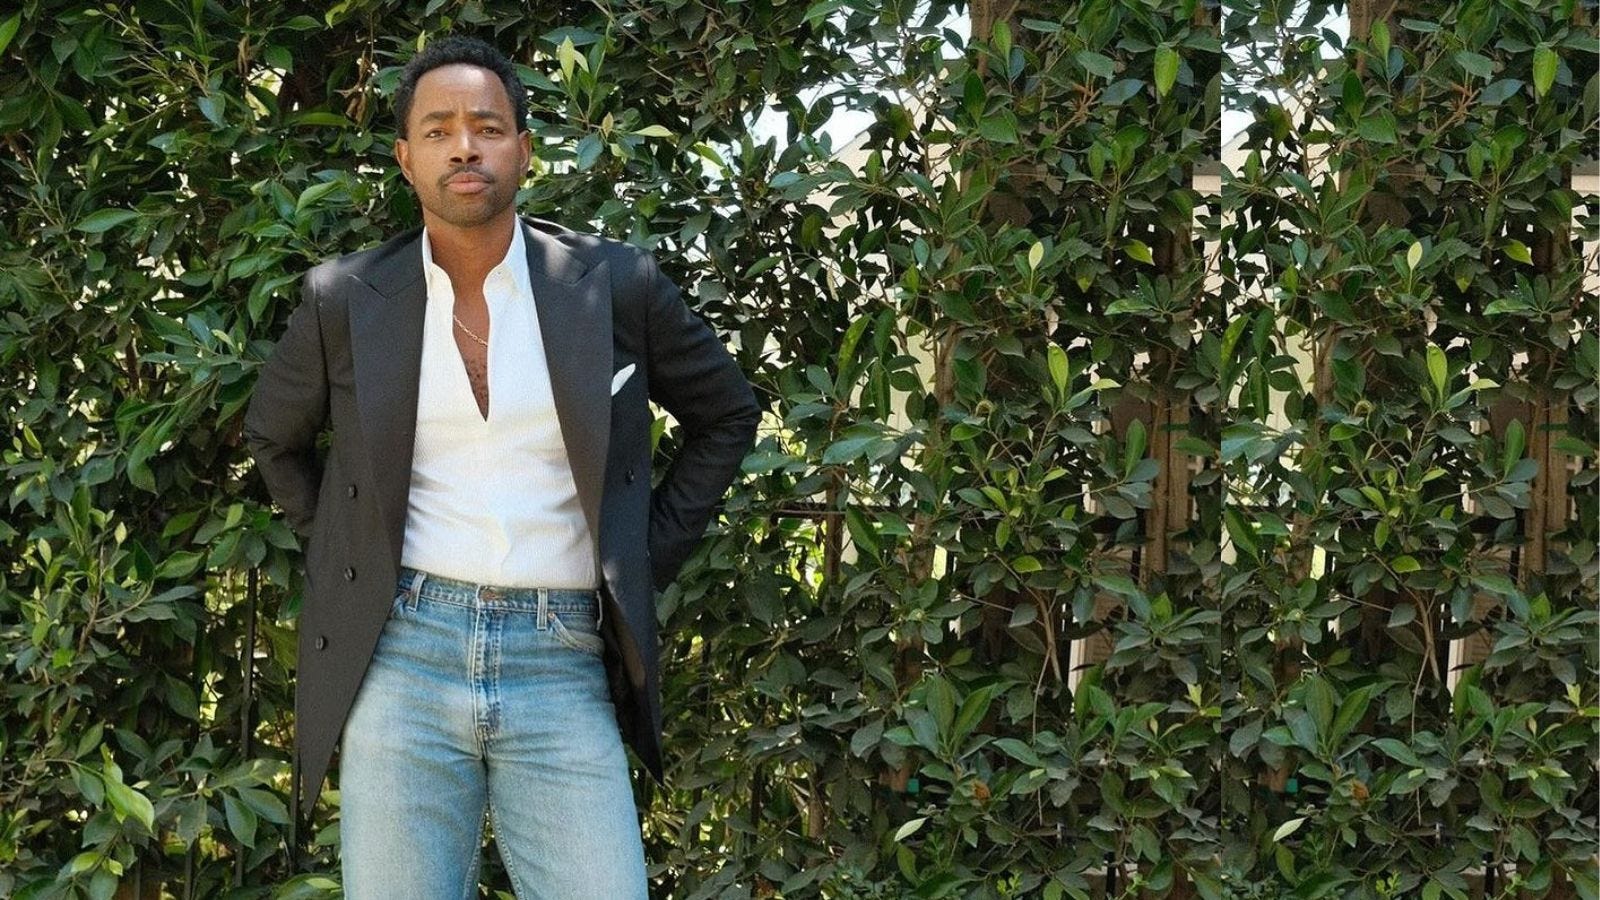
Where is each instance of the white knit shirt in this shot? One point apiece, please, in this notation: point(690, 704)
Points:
point(493, 501)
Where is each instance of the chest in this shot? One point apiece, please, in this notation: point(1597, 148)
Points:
point(494, 390)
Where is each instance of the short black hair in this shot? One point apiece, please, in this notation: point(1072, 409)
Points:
point(450, 50)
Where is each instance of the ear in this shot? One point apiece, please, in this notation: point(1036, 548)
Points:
point(402, 155)
point(527, 147)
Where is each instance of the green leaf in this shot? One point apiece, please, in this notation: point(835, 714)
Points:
point(1288, 828)
point(1060, 368)
point(128, 801)
point(1120, 90)
point(1414, 256)
point(568, 57)
point(1378, 40)
point(1438, 369)
point(1378, 127)
point(1516, 442)
point(1134, 445)
point(866, 738)
point(588, 150)
point(102, 220)
point(1354, 95)
point(1351, 709)
point(1319, 702)
point(1398, 751)
point(265, 804)
point(1035, 255)
point(320, 118)
point(1495, 583)
point(1518, 251)
point(999, 128)
point(314, 193)
point(1019, 751)
point(1140, 251)
point(1545, 64)
point(211, 107)
point(821, 10)
point(660, 131)
point(1404, 564)
point(845, 450)
point(909, 828)
point(1166, 69)
point(844, 363)
point(762, 265)
point(8, 30)
point(974, 96)
point(1475, 63)
point(973, 709)
point(1097, 63)
point(1499, 92)
point(1117, 584)
point(241, 819)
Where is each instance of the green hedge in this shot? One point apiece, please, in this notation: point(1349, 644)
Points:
point(1428, 260)
point(1028, 390)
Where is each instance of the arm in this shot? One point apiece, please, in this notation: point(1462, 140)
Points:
point(698, 382)
point(287, 409)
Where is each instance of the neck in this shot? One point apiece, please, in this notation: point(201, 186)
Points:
point(470, 251)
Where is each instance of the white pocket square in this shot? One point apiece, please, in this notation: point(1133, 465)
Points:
point(618, 379)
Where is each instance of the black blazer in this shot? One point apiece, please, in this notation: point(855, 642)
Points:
point(350, 357)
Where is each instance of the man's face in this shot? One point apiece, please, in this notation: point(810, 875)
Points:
point(464, 155)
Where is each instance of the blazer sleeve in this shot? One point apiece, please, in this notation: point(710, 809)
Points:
point(698, 382)
point(288, 409)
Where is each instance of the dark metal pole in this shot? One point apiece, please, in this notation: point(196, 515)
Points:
point(245, 724)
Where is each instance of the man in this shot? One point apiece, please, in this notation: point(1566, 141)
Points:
point(478, 632)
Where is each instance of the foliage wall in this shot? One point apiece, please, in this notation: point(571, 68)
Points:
point(1403, 257)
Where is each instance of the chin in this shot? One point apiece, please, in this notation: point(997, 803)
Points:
point(469, 216)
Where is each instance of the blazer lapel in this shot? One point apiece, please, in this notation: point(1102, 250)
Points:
point(573, 303)
point(386, 310)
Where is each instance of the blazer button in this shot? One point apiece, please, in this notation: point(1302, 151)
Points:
point(350, 491)
point(321, 642)
point(349, 574)
point(628, 476)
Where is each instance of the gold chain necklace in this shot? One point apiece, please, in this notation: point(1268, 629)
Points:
point(469, 331)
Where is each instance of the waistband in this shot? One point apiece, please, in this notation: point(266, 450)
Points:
point(454, 591)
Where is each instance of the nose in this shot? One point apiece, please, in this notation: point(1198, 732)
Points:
point(465, 150)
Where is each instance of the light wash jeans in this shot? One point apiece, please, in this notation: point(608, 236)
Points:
point(479, 697)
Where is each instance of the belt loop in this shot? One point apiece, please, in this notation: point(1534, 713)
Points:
point(416, 589)
point(542, 619)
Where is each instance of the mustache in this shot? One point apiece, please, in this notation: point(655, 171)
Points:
point(467, 171)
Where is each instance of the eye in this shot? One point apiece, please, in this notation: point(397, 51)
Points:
point(433, 132)
point(491, 128)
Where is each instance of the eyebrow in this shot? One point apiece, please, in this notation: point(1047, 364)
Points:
point(445, 115)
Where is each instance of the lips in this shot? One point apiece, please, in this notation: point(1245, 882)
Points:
point(467, 183)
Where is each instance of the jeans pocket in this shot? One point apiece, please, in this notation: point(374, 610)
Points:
point(575, 636)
